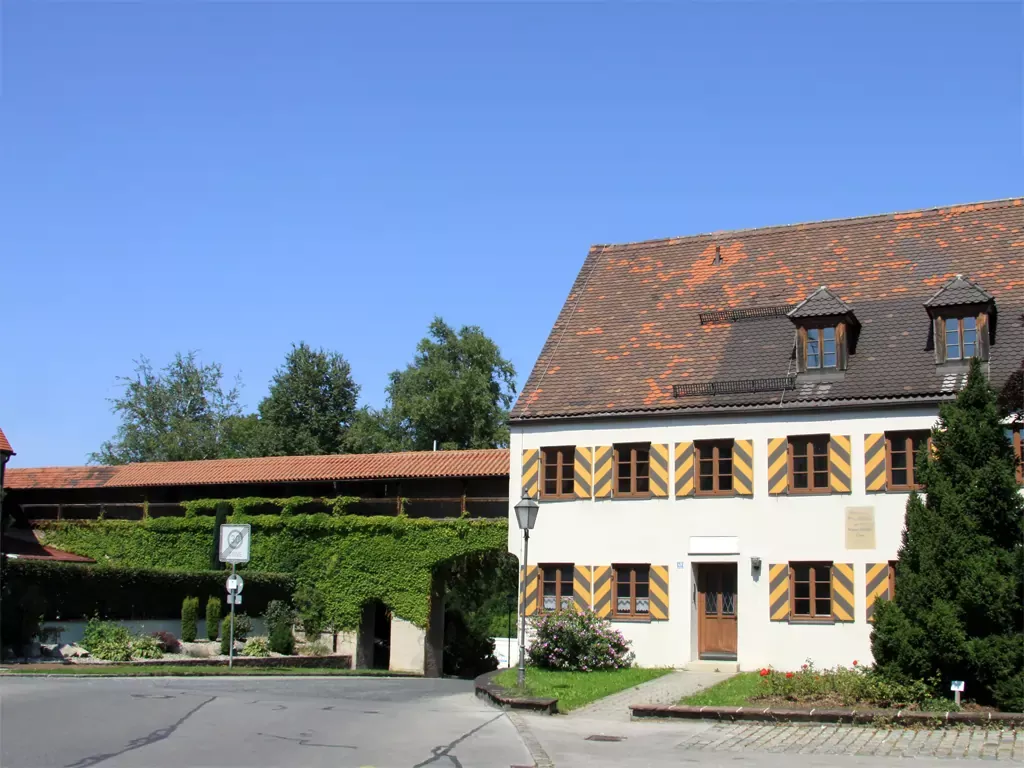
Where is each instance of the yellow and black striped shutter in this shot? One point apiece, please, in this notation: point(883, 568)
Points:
point(874, 461)
point(778, 466)
point(876, 586)
point(603, 472)
point(659, 470)
point(743, 467)
point(582, 473)
point(658, 590)
point(581, 581)
point(839, 464)
point(684, 470)
point(532, 582)
point(531, 473)
point(842, 591)
point(778, 592)
point(603, 590)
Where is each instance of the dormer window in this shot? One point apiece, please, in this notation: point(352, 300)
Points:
point(826, 331)
point(963, 321)
point(961, 337)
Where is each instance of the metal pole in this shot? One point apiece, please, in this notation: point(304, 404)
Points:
point(231, 632)
point(521, 677)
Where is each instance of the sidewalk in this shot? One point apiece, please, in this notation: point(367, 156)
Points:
point(668, 689)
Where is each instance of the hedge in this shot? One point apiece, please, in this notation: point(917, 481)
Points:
point(73, 591)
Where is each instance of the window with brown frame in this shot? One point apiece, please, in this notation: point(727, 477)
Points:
point(632, 469)
point(1013, 434)
point(811, 585)
point(902, 450)
point(559, 473)
point(556, 582)
point(714, 467)
point(632, 590)
point(821, 351)
point(960, 337)
point(808, 464)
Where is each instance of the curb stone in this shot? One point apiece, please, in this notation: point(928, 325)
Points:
point(486, 689)
point(862, 716)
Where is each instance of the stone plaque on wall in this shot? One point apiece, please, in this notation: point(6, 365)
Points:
point(860, 527)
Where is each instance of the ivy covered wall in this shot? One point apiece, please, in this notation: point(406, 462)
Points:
point(350, 558)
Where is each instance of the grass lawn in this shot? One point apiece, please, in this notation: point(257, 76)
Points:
point(574, 689)
point(734, 692)
point(160, 670)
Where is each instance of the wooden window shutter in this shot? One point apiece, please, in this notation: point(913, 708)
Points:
point(983, 337)
point(874, 462)
point(659, 470)
point(582, 473)
point(658, 591)
point(839, 464)
point(684, 470)
point(939, 333)
point(842, 352)
point(743, 467)
point(801, 350)
point(603, 472)
point(532, 596)
point(778, 592)
point(876, 586)
point(778, 466)
point(582, 583)
point(531, 473)
point(842, 592)
point(602, 579)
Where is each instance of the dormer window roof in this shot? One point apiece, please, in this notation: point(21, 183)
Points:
point(963, 321)
point(958, 291)
point(826, 331)
point(821, 303)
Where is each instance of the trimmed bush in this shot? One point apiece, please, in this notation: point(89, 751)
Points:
point(212, 617)
point(256, 646)
point(282, 640)
point(580, 641)
point(243, 626)
point(189, 618)
point(280, 620)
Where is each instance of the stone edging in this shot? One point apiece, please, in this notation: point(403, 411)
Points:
point(826, 715)
point(490, 691)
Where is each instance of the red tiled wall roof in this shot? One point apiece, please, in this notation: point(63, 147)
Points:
point(5, 446)
point(275, 469)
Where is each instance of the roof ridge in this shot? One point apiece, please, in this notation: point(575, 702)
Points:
point(818, 224)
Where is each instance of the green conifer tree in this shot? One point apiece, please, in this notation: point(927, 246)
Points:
point(958, 610)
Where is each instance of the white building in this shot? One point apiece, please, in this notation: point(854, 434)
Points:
point(721, 428)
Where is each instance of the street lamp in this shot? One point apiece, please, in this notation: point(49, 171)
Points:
point(526, 517)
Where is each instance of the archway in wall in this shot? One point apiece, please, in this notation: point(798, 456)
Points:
point(373, 641)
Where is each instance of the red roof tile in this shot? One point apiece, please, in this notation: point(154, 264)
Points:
point(274, 469)
point(5, 446)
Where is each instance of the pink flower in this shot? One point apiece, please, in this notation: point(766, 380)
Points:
point(855, 662)
point(803, 666)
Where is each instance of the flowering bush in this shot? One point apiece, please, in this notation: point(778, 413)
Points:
point(578, 640)
point(848, 685)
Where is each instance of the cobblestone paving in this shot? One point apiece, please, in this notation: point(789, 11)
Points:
point(863, 741)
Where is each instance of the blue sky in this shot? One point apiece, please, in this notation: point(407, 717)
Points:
point(235, 177)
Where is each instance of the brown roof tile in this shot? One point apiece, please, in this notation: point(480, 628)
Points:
point(5, 446)
point(629, 329)
point(275, 469)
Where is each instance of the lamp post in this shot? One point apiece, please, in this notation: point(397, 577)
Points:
point(526, 517)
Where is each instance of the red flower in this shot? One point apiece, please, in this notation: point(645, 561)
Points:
point(764, 673)
point(855, 662)
point(789, 674)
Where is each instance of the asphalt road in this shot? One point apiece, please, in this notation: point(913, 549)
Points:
point(182, 722)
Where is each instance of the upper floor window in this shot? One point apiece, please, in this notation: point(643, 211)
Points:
point(961, 337)
point(821, 348)
point(633, 469)
point(808, 463)
point(559, 473)
point(812, 590)
point(714, 467)
point(557, 585)
point(632, 590)
point(903, 448)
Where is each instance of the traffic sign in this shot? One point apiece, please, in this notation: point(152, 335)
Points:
point(234, 599)
point(235, 584)
point(234, 543)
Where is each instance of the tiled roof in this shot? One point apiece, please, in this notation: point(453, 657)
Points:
point(959, 290)
point(629, 329)
point(5, 446)
point(275, 469)
point(820, 303)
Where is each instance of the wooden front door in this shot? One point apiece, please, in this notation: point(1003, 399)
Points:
point(716, 610)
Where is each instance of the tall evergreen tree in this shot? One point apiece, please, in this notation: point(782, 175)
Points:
point(958, 610)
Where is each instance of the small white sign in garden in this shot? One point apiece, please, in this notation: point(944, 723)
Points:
point(234, 543)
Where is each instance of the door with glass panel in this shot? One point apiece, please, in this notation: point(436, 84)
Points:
point(716, 610)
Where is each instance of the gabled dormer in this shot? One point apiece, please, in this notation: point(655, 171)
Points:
point(826, 333)
point(963, 317)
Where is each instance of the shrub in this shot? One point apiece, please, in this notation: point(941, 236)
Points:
point(468, 650)
point(212, 617)
point(243, 626)
point(282, 640)
point(99, 632)
point(316, 648)
point(167, 641)
point(847, 685)
point(959, 602)
point(578, 640)
point(113, 649)
point(189, 618)
point(312, 610)
point(280, 618)
point(145, 647)
point(256, 646)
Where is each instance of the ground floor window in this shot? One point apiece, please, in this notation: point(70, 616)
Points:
point(632, 590)
point(557, 582)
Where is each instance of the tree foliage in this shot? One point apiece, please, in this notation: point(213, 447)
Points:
point(958, 610)
point(178, 413)
point(457, 391)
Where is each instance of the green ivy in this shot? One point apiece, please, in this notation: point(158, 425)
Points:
point(259, 505)
point(351, 559)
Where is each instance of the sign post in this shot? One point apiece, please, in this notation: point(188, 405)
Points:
point(234, 549)
point(956, 687)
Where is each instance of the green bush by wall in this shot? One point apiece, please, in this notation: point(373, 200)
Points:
point(350, 559)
